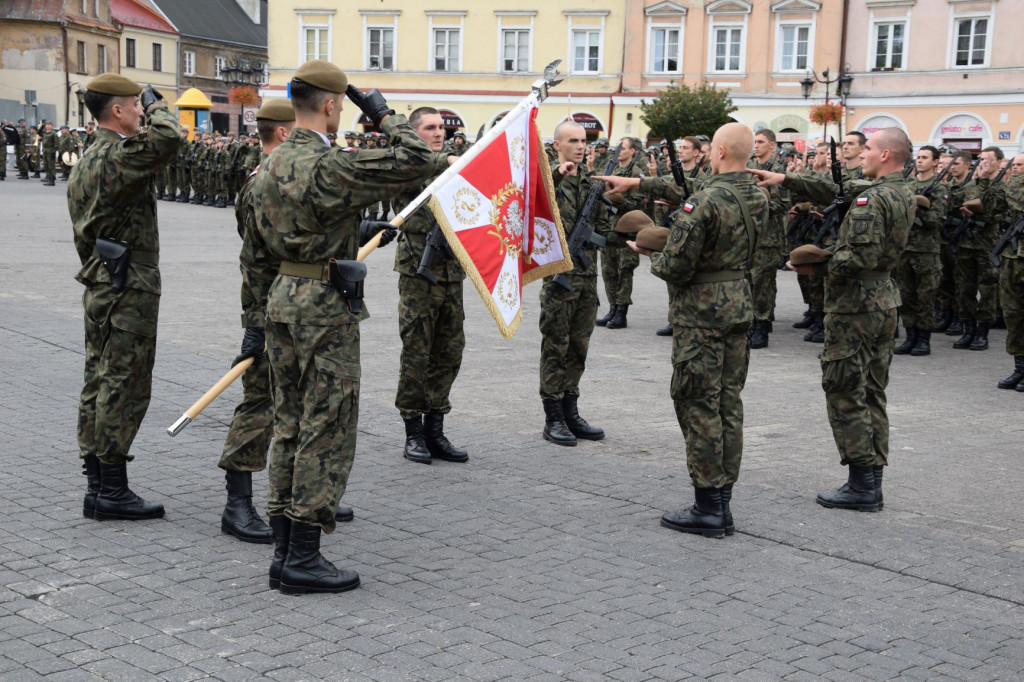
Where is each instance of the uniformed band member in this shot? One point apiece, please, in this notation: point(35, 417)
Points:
point(308, 196)
point(860, 310)
point(1011, 279)
point(709, 251)
point(618, 262)
point(113, 209)
point(567, 315)
point(430, 319)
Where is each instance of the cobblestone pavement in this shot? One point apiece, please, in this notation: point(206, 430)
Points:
point(531, 562)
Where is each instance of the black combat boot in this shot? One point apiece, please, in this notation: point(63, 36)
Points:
point(208, 200)
point(956, 327)
point(437, 443)
point(603, 321)
point(942, 321)
point(1000, 322)
point(49, 182)
point(965, 341)
point(879, 471)
point(282, 529)
point(857, 493)
point(36, 174)
point(577, 424)
point(665, 331)
point(220, 203)
point(618, 321)
point(980, 341)
point(555, 428)
point(806, 321)
point(91, 470)
point(306, 570)
point(117, 501)
point(730, 528)
point(183, 197)
point(706, 517)
point(415, 445)
point(344, 514)
point(23, 175)
point(908, 343)
point(923, 343)
point(231, 200)
point(816, 332)
point(1014, 379)
point(159, 194)
point(759, 335)
point(239, 517)
point(195, 199)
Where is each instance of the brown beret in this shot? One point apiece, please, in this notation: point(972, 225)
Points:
point(654, 238)
point(808, 254)
point(322, 74)
point(113, 84)
point(923, 201)
point(632, 222)
point(276, 110)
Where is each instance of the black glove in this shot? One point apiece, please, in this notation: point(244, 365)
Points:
point(148, 96)
point(254, 343)
point(371, 103)
point(368, 228)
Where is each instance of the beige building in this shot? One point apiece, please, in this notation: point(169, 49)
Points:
point(149, 45)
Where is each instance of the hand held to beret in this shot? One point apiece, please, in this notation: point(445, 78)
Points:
point(371, 103)
point(148, 96)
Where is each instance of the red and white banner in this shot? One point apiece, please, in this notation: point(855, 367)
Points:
point(500, 218)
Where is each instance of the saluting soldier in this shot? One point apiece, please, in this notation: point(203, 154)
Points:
point(113, 209)
point(308, 196)
point(860, 310)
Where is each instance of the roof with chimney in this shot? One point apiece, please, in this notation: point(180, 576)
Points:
point(218, 20)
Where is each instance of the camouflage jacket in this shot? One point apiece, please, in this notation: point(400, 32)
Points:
point(773, 231)
point(110, 194)
point(871, 238)
point(49, 143)
point(666, 189)
point(308, 197)
point(1015, 204)
point(988, 223)
point(925, 236)
point(413, 240)
point(709, 235)
point(571, 193)
point(258, 266)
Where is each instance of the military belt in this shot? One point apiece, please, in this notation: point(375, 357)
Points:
point(872, 276)
point(138, 257)
point(719, 276)
point(307, 270)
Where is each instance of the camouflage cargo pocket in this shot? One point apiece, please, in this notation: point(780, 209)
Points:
point(337, 391)
point(689, 372)
point(840, 367)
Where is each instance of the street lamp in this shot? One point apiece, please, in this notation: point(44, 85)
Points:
point(845, 80)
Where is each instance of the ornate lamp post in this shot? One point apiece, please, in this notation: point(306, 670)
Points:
point(844, 79)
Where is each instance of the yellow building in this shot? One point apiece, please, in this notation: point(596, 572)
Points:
point(476, 60)
point(149, 45)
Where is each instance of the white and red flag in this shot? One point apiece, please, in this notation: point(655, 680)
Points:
point(501, 220)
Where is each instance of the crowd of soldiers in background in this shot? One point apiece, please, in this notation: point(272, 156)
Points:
point(41, 150)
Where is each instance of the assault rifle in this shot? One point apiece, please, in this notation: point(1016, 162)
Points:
point(969, 224)
point(679, 177)
point(436, 244)
point(928, 192)
point(799, 225)
point(836, 211)
point(582, 236)
point(1011, 236)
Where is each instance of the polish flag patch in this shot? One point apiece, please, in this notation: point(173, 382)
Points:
point(862, 201)
point(688, 207)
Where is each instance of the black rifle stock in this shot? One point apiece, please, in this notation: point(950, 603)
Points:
point(436, 243)
point(836, 211)
point(929, 193)
point(1011, 236)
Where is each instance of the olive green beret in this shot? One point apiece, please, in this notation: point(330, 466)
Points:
point(807, 254)
point(276, 110)
point(113, 84)
point(633, 222)
point(322, 74)
point(654, 238)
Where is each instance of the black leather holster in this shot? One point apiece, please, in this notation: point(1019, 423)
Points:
point(115, 257)
point(347, 277)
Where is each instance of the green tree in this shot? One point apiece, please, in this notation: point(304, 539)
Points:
point(681, 110)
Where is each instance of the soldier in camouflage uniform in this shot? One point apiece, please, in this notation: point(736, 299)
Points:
point(860, 305)
point(49, 154)
point(920, 269)
point(110, 197)
point(430, 321)
point(567, 316)
point(20, 150)
point(618, 261)
point(1011, 279)
point(65, 145)
point(307, 198)
point(977, 280)
point(597, 158)
point(32, 149)
point(771, 241)
point(705, 261)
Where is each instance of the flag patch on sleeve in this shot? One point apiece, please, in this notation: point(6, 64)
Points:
point(862, 201)
point(688, 207)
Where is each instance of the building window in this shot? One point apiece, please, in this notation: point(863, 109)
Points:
point(219, 64)
point(316, 43)
point(971, 41)
point(158, 57)
point(188, 63)
point(82, 66)
point(381, 55)
point(665, 50)
point(728, 48)
point(101, 59)
point(446, 49)
point(129, 52)
point(889, 46)
point(515, 54)
point(586, 51)
point(794, 47)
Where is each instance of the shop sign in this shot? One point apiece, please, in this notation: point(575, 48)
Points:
point(963, 125)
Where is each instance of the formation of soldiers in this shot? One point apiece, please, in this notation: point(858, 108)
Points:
point(41, 150)
point(209, 170)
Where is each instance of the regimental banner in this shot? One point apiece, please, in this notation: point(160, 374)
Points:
point(501, 220)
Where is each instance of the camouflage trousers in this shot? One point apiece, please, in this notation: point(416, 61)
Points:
point(854, 375)
point(315, 377)
point(945, 297)
point(184, 186)
point(430, 322)
point(50, 164)
point(763, 283)
point(566, 323)
point(617, 266)
point(120, 347)
point(1011, 290)
point(198, 181)
point(252, 426)
point(976, 278)
point(709, 370)
point(20, 159)
point(917, 276)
